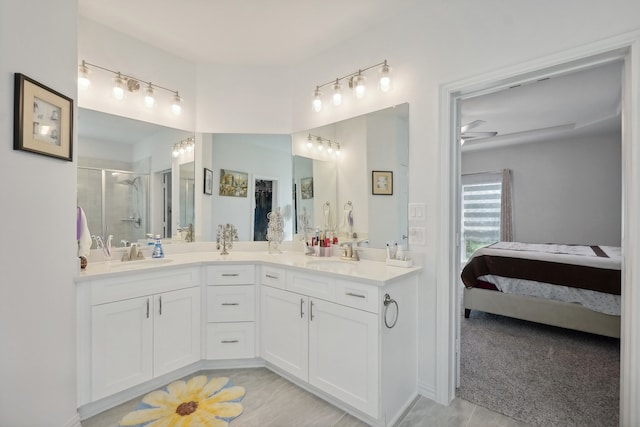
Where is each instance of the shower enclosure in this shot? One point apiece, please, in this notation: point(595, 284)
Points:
point(115, 202)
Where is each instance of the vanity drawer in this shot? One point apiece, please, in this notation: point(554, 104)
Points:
point(273, 276)
point(137, 284)
point(231, 275)
point(358, 295)
point(231, 340)
point(313, 285)
point(231, 303)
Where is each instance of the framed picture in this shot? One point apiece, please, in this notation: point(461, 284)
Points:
point(382, 182)
point(306, 188)
point(208, 181)
point(43, 119)
point(233, 183)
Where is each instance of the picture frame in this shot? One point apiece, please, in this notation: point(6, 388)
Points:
point(306, 188)
point(208, 181)
point(382, 183)
point(233, 183)
point(43, 119)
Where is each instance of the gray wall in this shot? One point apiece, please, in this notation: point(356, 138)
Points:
point(564, 191)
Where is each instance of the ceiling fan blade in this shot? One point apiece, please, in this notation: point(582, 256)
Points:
point(469, 135)
point(471, 125)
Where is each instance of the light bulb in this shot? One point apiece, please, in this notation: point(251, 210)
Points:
point(337, 94)
point(338, 150)
point(175, 151)
point(329, 148)
point(319, 144)
point(317, 100)
point(385, 77)
point(182, 149)
point(176, 108)
point(149, 100)
point(83, 76)
point(118, 87)
point(309, 142)
point(358, 85)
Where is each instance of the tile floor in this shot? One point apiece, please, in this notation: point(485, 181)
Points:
point(272, 401)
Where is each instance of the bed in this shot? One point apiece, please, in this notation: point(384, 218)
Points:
point(570, 286)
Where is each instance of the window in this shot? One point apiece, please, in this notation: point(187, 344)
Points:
point(481, 201)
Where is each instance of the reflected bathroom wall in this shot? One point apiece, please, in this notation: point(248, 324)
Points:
point(115, 202)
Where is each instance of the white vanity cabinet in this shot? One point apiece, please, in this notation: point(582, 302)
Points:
point(326, 332)
point(231, 307)
point(136, 328)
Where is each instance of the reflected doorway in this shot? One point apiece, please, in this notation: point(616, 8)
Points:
point(263, 205)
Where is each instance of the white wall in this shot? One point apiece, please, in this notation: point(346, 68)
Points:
point(564, 191)
point(38, 249)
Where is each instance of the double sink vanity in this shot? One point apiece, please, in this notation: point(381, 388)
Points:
point(344, 330)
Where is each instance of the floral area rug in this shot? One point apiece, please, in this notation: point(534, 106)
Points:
point(198, 402)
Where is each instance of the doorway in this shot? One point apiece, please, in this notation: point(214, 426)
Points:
point(264, 190)
point(451, 95)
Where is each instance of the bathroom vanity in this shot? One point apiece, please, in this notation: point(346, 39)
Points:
point(344, 330)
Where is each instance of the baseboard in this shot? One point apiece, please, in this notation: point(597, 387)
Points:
point(427, 390)
point(74, 421)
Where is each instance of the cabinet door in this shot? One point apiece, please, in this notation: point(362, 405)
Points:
point(121, 345)
point(176, 330)
point(343, 354)
point(284, 332)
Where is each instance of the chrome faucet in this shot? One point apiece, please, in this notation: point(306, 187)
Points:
point(133, 254)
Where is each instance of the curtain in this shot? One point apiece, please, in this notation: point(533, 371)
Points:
point(506, 225)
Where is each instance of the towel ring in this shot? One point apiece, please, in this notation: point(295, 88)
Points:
point(388, 301)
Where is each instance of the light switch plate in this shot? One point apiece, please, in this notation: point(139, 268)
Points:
point(416, 211)
point(417, 235)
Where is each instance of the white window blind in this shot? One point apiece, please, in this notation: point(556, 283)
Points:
point(481, 201)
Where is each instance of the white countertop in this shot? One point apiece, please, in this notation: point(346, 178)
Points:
point(374, 272)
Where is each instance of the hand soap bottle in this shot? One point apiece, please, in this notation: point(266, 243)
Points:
point(157, 248)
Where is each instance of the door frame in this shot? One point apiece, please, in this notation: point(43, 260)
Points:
point(626, 47)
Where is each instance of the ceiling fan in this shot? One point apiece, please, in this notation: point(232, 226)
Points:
point(465, 135)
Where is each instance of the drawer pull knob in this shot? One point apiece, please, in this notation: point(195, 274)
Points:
point(229, 341)
point(351, 294)
point(271, 276)
point(230, 274)
point(230, 303)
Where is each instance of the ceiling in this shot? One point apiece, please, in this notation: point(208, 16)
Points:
point(242, 32)
point(579, 103)
point(286, 32)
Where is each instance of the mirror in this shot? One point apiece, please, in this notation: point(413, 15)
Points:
point(251, 176)
point(378, 141)
point(125, 184)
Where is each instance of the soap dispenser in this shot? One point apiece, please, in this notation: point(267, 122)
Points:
point(157, 248)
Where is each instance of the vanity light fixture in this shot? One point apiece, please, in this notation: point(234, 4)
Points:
point(149, 99)
point(333, 147)
point(356, 81)
point(317, 100)
point(124, 82)
point(83, 76)
point(184, 146)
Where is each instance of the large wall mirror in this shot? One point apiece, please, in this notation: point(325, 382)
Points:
point(336, 190)
point(129, 182)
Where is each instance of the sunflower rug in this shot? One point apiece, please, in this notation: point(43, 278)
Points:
point(198, 402)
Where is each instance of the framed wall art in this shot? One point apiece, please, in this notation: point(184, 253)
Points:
point(382, 182)
point(306, 188)
point(208, 181)
point(233, 183)
point(43, 119)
